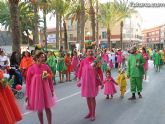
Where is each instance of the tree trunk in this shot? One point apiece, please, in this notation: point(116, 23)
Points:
point(61, 44)
point(121, 34)
point(65, 36)
point(78, 31)
point(35, 35)
point(109, 38)
point(97, 24)
point(57, 31)
point(82, 22)
point(45, 28)
point(15, 27)
point(92, 16)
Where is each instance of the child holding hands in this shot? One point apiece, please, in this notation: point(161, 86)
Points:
point(109, 87)
point(121, 80)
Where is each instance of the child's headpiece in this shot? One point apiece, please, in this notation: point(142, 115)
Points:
point(108, 70)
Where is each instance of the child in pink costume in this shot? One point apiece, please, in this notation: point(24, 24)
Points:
point(109, 87)
point(111, 66)
point(87, 76)
point(75, 63)
point(119, 58)
point(39, 88)
point(105, 57)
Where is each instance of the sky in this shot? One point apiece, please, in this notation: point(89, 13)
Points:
point(151, 16)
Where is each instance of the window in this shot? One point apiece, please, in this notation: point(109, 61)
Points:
point(157, 32)
point(104, 35)
point(70, 38)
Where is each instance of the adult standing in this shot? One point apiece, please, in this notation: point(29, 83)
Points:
point(39, 88)
point(14, 62)
point(135, 71)
point(9, 111)
point(88, 74)
point(25, 63)
point(146, 57)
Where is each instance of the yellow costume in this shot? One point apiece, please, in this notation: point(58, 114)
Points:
point(121, 80)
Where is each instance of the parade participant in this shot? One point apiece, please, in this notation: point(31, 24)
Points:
point(111, 66)
point(61, 67)
point(51, 61)
point(67, 60)
point(14, 59)
point(4, 60)
point(39, 88)
point(109, 87)
point(104, 66)
point(105, 56)
point(75, 64)
point(122, 82)
point(25, 63)
point(9, 112)
point(119, 58)
point(135, 70)
point(146, 57)
point(87, 75)
point(157, 58)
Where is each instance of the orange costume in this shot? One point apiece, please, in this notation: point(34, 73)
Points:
point(9, 112)
point(67, 61)
point(25, 63)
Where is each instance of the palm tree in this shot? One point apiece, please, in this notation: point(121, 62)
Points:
point(60, 7)
point(26, 17)
point(110, 14)
point(35, 21)
point(82, 22)
point(15, 27)
point(124, 11)
point(92, 17)
point(74, 15)
point(97, 23)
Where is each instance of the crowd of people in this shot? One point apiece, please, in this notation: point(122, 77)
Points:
point(92, 70)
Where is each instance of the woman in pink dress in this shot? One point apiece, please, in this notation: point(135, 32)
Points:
point(87, 76)
point(105, 57)
point(39, 88)
point(146, 57)
point(109, 87)
point(75, 63)
point(119, 58)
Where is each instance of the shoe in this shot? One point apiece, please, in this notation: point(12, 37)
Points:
point(107, 97)
point(92, 118)
point(140, 96)
point(87, 116)
point(132, 98)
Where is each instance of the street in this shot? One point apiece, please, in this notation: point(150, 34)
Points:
point(71, 107)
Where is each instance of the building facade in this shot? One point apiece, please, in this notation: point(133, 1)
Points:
point(131, 33)
point(152, 37)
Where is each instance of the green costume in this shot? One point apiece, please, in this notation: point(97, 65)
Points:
point(51, 61)
point(61, 65)
point(135, 71)
point(157, 61)
point(104, 66)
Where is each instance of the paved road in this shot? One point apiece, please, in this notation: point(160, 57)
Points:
point(71, 107)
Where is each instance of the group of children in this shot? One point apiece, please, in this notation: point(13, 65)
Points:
point(109, 83)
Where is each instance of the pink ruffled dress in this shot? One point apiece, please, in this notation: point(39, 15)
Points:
point(87, 75)
point(105, 58)
point(109, 86)
point(119, 57)
point(39, 91)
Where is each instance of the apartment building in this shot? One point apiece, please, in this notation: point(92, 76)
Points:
point(152, 37)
